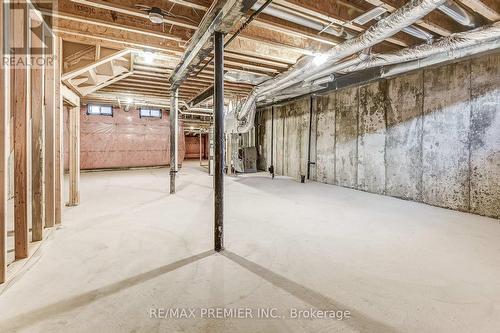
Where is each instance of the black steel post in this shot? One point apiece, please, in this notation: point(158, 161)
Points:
point(174, 137)
point(219, 141)
point(310, 137)
point(271, 168)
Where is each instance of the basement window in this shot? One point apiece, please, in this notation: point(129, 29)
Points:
point(100, 110)
point(150, 113)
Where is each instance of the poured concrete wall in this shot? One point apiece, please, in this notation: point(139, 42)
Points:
point(485, 136)
point(431, 136)
point(403, 148)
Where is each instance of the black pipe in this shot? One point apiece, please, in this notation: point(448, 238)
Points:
point(271, 168)
point(219, 141)
point(310, 135)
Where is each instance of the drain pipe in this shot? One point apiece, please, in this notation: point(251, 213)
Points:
point(310, 139)
point(271, 168)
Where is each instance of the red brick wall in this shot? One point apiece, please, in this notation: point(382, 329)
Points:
point(123, 140)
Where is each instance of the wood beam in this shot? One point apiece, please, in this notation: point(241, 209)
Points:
point(20, 110)
point(69, 96)
point(37, 144)
point(134, 12)
point(487, 8)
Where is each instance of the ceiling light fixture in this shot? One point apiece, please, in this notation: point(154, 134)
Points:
point(156, 15)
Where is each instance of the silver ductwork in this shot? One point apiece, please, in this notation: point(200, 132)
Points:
point(284, 15)
point(244, 77)
point(459, 14)
point(447, 46)
point(406, 15)
point(418, 33)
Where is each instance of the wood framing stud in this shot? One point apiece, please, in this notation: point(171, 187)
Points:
point(74, 156)
point(50, 133)
point(4, 143)
point(59, 125)
point(37, 143)
point(20, 110)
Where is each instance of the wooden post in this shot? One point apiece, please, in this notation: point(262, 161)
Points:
point(4, 143)
point(74, 156)
point(59, 126)
point(50, 136)
point(37, 142)
point(20, 110)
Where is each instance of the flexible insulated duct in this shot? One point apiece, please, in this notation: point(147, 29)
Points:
point(459, 14)
point(406, 15)
point(446, 46)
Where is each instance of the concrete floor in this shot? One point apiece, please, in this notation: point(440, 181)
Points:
point(397, 266)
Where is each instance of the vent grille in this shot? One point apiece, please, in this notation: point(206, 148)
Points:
point(369, 15)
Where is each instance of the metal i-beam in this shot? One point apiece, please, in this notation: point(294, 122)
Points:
point(174, 137)
point(219, 142)
point(223, 16)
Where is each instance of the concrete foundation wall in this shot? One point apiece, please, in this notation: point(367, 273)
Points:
point(431, 136)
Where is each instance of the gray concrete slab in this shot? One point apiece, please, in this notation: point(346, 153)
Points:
point(397, 266)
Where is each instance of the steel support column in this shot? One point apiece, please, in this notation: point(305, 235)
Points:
point(174, 137)
point(219, 141)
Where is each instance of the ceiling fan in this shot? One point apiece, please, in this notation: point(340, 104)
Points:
point(156, 15)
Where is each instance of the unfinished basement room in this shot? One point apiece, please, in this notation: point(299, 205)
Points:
point(253, 166)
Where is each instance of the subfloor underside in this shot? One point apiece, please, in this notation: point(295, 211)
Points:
point(130, 249)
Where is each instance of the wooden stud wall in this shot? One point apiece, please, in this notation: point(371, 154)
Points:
point(38, 149)
point(21, 112)
point(50, 132)
point(74, 156)
point(4, 143)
